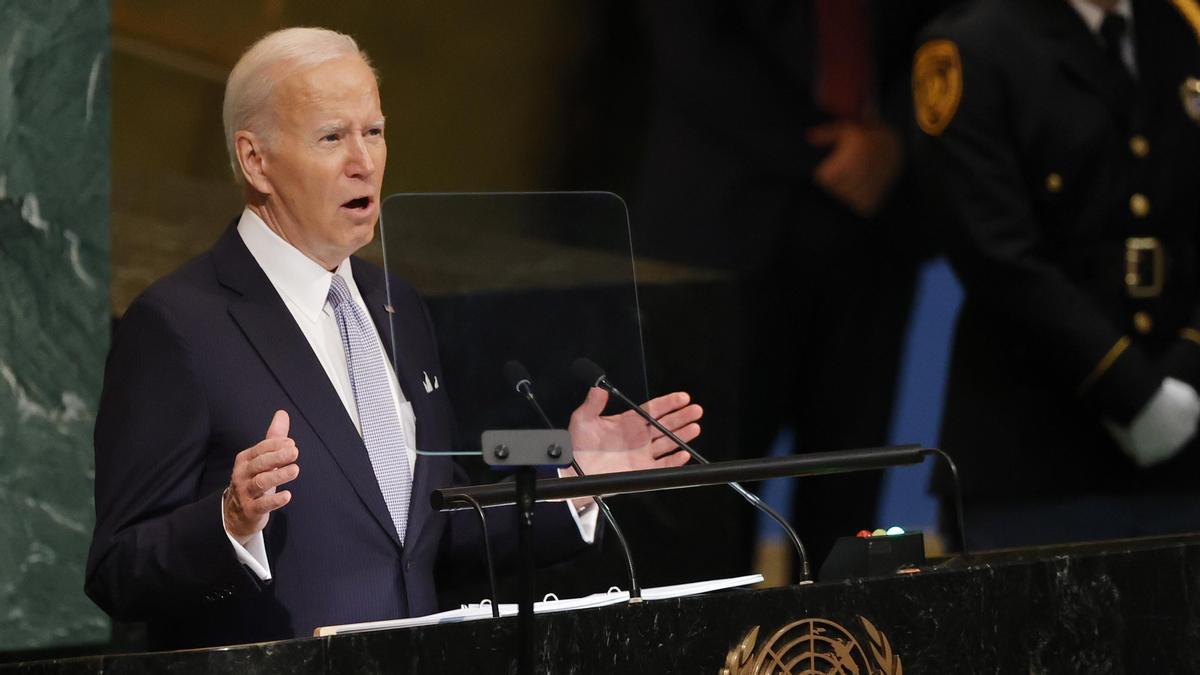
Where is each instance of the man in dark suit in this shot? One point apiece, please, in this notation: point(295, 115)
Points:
point(774, 154)
point(1062, 138)
point(256, 464)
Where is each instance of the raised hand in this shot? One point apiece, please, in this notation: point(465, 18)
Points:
point(625, 442)
point(257, 472)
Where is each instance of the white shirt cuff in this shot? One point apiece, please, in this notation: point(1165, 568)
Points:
point(254, 553)
point(585, 520)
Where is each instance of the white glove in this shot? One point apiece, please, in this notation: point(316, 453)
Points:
point(1163, 427)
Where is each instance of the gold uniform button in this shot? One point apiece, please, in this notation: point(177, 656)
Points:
point(1053, 182)
point(1139, 146)
point(1139, 205)
point(1142, 322)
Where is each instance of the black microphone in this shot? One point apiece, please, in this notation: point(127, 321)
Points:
point(587, 370)
point(520, 380)
point(592, 374)
point(518, 377)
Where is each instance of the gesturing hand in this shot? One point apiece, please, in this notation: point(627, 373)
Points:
point(626, 442)
point(257, 471)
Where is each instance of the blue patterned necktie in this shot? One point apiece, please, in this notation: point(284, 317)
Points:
point(382, 432)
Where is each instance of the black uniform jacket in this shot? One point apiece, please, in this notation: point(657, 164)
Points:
point(1071, 193)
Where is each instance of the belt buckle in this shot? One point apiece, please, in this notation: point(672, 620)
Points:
point(1138, 252)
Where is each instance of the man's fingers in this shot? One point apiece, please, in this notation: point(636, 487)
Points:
point(283, 454)
point(678, 419)
point(261, 506)
point(266, 465)
point(246, 515)
point(257, 471)
point(672, 460)
point(279, 426)
point(663, 445)
point(269, 480)
point(277, 500)
point(657, 407)
point(244, 458)
point(593, 404)
point(591, 408)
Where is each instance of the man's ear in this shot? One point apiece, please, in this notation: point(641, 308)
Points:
point(253, 162)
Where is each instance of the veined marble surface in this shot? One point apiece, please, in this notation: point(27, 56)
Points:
point(54, 311)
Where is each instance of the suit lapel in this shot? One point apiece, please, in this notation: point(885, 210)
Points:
point(272, 331)
point(397, 334)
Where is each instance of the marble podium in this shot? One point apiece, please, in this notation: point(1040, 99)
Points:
point(1110, 607)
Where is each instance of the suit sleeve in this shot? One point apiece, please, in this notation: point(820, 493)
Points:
point(159, 545)
point(997, 246)
point(556, 535)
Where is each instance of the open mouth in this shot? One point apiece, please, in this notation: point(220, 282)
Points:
point(358, 204)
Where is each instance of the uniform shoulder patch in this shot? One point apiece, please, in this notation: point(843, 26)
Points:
point(937, 85)
point(1191, 13)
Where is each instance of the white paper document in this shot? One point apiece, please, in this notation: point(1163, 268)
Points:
point(548, 605)
point(698, 587)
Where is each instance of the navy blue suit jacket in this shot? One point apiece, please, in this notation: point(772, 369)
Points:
point(198, 365)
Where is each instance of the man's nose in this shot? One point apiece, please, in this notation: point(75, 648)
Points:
point(360, 163)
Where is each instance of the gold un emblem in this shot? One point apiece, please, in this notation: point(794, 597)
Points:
point(816, 647)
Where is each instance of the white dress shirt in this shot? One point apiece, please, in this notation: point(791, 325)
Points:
point(1093, 16)
point(303, 284)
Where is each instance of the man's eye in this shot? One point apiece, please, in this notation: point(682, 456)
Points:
point(329, 138)
point(376, 131)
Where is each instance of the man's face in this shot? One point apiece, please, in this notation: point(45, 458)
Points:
point(325, 158)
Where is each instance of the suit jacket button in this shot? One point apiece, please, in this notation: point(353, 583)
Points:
point(1139, 146)
point(1142, 323)
point(1054, 182)
point(1139, 205)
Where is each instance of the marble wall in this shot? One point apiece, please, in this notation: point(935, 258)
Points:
point(54, 310)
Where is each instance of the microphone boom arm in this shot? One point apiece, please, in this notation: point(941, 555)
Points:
point(753, 499)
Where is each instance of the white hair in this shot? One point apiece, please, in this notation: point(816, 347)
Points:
point(265, 64)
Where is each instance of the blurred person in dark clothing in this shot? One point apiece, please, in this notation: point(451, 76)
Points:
point(776, 155)
point(1062, 137)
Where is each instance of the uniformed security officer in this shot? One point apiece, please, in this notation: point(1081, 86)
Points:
point(1062, 138)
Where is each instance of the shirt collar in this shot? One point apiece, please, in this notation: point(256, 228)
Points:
point(294, 275)
point(1093, 14)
